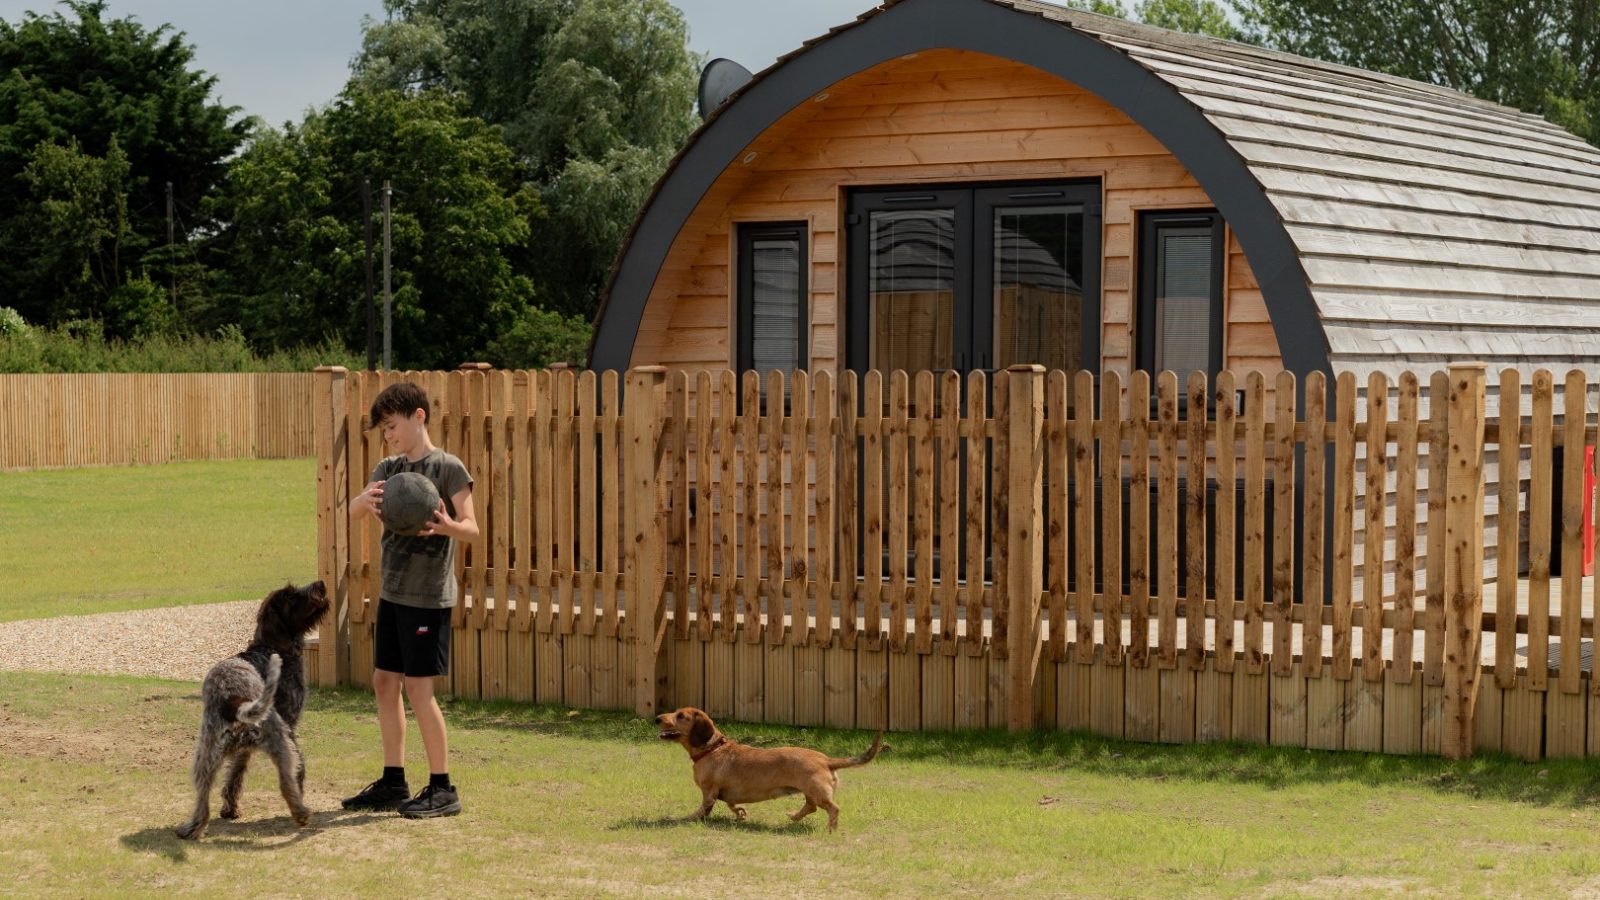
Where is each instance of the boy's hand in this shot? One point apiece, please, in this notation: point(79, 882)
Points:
point(369, 500)
point(441, 524)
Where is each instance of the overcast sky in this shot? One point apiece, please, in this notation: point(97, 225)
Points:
point(275, 58)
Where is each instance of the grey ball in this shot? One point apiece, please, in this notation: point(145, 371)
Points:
point(409, 501)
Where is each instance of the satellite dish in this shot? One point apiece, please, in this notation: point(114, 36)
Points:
point(718, 80)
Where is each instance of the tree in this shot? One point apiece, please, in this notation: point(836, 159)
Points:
point(294, 249)
point(1540, 56)
point(72, 227)
point(1112, 8)
point(594, 96)
point(97, 115)
point(1193, 16)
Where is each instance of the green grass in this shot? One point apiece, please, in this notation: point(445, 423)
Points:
point(107, 539)
point(93, 771)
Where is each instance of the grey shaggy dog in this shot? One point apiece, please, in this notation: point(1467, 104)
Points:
point(252, 702)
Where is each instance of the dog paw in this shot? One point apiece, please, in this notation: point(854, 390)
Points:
point(740, 813)
point(228, 812)
point(302, 818)
point(190, 831)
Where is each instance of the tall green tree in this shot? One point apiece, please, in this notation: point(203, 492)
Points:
point(1192, 16)
point(294, 248)
point(1540, 56)
point(97, 115)
point(75, 217)
point(594, 96)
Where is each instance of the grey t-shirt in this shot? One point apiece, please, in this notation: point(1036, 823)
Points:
point(420, 571)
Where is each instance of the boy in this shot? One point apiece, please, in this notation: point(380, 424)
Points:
point(411, 643)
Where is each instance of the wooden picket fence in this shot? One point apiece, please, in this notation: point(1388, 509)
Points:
point(116, 419)
point(1016, 550)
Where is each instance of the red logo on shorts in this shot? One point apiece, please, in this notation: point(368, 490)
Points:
point(422, 631)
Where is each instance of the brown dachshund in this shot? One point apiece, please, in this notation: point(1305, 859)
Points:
point(736, 774)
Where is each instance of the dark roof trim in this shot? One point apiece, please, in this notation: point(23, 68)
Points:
point(979, 26)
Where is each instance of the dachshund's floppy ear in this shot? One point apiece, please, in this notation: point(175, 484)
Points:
point(701, 732)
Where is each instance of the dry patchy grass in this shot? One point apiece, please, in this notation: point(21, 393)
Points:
point(565, 803)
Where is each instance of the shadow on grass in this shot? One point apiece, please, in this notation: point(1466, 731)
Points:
point(255, 835)
point(1569, 782)
point(713, 822)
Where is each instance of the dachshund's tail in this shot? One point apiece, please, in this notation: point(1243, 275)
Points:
point(252, 713)
point(863, 759)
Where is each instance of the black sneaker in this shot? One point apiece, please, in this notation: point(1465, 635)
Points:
point(432, 802)
point(379, 795)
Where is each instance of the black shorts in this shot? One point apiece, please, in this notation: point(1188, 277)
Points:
point(412, 641)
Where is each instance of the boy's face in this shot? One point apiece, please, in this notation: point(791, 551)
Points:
point(404, 434)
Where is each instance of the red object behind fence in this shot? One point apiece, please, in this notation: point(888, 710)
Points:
point(1588, 510)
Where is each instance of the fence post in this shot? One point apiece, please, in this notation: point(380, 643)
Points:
point(1024, 428)
point(643, 409)
point(1463, 589)
point(333, 524)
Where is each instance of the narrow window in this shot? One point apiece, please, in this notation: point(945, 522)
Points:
point(1180, 293)
point(772, 297)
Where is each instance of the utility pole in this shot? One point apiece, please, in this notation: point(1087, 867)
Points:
point(387, 295)
point(372, 310)
point(172, 279)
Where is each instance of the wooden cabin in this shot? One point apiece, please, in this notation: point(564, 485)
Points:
point(971, 184)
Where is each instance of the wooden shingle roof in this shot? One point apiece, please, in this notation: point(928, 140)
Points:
point(1430, 224)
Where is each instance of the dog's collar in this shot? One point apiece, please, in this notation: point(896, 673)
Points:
point(715, 745)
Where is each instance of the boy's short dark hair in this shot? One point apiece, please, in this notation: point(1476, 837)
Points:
point(399, 399)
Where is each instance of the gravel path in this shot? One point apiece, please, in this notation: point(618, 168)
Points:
point(182, 642)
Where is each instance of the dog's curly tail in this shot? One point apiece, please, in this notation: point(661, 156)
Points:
point(863, 759)
point(252, 713)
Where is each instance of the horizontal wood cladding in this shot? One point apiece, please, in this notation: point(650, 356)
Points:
point(938, 117)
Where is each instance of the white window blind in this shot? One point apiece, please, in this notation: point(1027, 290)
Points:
point(1183, 300)
point(775, 305)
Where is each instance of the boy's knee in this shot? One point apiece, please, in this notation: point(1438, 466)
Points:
point(419, 688)
point(385, 683)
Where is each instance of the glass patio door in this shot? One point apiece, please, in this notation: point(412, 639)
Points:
point(974, 277)
point(1043, 263)
point(916, 275)
point(970, 277)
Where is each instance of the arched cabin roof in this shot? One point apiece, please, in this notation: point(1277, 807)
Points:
point(1390, 223)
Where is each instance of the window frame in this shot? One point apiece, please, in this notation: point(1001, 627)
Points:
point(1151, 222)
point(744, 295)
point(1086, 193)
point(974, 203)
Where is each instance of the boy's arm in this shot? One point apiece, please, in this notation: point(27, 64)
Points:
point(368, 503)
point(464, 527)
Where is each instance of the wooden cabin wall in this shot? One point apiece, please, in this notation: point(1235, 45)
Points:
point(942, 116)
